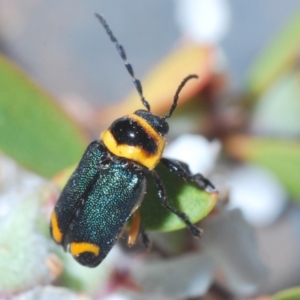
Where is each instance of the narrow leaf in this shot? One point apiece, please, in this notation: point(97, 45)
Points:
point(33, 129)
point(281, 54)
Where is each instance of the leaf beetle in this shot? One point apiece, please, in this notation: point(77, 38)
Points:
point(110, 181)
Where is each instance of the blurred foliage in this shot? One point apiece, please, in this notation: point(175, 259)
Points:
point(273, 84)
point(160, 84)
point(282, 157)
point(289, 294)
point(33, 128)
point(277, 111)
point(280, 55)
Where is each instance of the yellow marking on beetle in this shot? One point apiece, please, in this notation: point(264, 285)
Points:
point(136, 153)
point(134, 228)
point(79, 248)
point(56, 233)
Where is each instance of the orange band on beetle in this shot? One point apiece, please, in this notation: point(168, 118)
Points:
point(79, 248)
point(56, 232)
point(136, 153)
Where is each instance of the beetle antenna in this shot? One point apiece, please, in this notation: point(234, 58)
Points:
point(176, 97)
point(128, 66)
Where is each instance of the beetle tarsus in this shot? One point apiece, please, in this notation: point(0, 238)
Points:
point(183, 171)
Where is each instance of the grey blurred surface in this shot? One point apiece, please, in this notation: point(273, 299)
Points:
point(61, 44)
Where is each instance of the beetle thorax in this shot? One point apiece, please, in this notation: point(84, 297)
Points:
point(134, 138)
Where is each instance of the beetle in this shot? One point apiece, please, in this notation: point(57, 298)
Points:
point(110, 181)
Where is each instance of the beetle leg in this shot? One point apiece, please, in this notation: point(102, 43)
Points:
point(182, 170)
point(134, 228)
point(145, 239)
point(161, 191)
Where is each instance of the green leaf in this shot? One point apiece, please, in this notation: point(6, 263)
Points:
point(282, 157)
point(289, 294)
point(33, 129)
point(186, 197)
point(281, 54)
